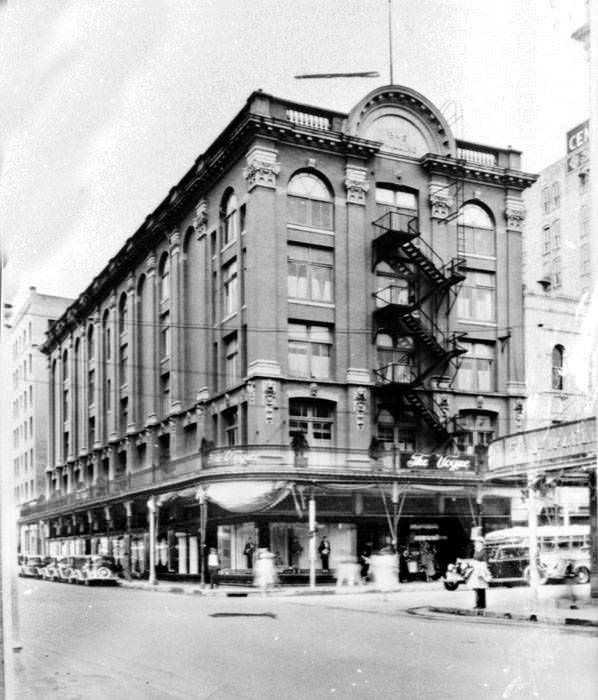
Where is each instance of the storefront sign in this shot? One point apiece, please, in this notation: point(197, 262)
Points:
point(531, 449)
point(578, 144)
point(451, 463)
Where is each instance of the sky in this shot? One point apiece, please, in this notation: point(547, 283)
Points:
point(105, 105)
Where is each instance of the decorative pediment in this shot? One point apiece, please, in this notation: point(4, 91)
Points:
point(405, 122)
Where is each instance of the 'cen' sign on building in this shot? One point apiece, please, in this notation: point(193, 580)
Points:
point(578, 144)
point(563, 444)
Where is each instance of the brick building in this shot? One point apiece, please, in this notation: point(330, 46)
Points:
point(326, 307)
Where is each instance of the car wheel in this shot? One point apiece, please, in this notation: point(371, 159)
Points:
point(451, 585)
point(582, 575)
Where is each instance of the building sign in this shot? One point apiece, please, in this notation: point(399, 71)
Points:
point(398, 135)
point(531, 450)
point(578, 146)
point(449, 463)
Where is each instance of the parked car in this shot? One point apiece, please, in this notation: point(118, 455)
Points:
point(49, 571)
point(77, 573)
point(573, 565)
point(99, 568)
point(64, 567)
point(511, 564)
point(44, 561)
point(30, 565)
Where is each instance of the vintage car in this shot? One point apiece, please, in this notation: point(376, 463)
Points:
point(30, 565)
point(573, 565)
point(97, 568)
point(49, 571)
point(75, 574)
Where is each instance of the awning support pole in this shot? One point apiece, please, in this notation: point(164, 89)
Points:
point(312, 540)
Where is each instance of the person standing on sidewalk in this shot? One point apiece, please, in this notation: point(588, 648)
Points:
point(213, 567)
point(324, 550)
point(480, 575)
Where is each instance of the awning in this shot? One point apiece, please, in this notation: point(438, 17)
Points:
point(245, 496)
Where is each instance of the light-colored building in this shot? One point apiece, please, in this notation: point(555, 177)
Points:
point(29, 391)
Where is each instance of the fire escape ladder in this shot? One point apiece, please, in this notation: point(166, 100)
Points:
point(439, 426)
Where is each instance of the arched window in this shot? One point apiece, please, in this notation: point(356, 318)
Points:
point(230, 218)
point(476, 235)
point(309, 202)
point(122, 313)
point(558, 356)
point(164, 276)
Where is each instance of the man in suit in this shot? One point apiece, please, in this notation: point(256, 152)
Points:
point(324, 550)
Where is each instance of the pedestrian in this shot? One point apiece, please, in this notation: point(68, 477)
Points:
point(265, 572)
point(296, 550)
point(427, 562)
point(248, 552)
point(324, 550)
point(480, 574)
point(403, 565)
point(213, 567)
point(364, 560)
point(567, 566)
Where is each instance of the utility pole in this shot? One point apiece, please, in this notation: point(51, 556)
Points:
point(312, 540)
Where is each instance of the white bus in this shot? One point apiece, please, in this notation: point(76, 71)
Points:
point(564, 550)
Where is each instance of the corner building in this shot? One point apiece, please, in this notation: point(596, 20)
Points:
point(325, 312)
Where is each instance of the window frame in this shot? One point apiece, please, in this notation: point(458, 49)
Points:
point(310, 341)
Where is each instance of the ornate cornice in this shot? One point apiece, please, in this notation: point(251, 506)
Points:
point(474, 172)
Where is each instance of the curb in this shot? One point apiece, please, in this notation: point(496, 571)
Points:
point(279, 592)
point(515, 617)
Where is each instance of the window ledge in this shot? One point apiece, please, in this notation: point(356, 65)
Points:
point(323, 304)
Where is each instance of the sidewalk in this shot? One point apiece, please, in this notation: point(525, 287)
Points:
point(553, 607)
point(512, 605)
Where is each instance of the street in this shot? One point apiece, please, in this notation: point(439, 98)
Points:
point(93, 643)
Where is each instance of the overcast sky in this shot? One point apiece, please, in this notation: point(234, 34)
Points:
point(105, 105)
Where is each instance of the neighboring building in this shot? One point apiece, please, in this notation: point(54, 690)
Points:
point(327, 306)
point(29, 392)
point(558, 279)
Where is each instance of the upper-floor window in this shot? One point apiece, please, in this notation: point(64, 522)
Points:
point(478, 368)
point(122, 314)
point(314, 419)
point(397, 198)
point(309, 202)
point(310, 273)
point(65, 366)
point(164, 278)
point(90, 343)
point(391, 432)
point(230, 285)
point(478, 428)
point(230, 219)
point(231, 360)
point(476, 235)
point(546, 200)
point(164, 335)
point(393, 287)
point(230, 424)
point(310, 350)
point(558, 356)
point(477, 297)
point(547, 240)
point(556, 234)
point(107, 338)
point(123, 362)
point(396, 358)
point(556, 195)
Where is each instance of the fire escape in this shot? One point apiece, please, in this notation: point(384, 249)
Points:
point(407, 312)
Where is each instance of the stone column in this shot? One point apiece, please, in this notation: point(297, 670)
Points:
point(149, 356)
point(175, 306)
point(111, 371)
point(509, 301)
point(133, 363)
point(182, 549)
point(98, 393)
point(193, 555)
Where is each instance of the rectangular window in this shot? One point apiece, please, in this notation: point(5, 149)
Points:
point(477, 298)
point(65, 404)
point(108, 400)
point(165, 335)
point(124, 415)
point(230, 283)
point(310, 273)
point(478, 368)
point(547, 240)
point(556, 195)
point(310, 212)
point(546, 200)
point(556, 272)
point(165, 393)
point(310, 351)
point(556, 234)
point(477, 241)
point(91, 432)
point(123, 363)
point(230, 422)
point(231, 360)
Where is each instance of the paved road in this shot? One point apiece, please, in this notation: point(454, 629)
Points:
point(111, 643)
